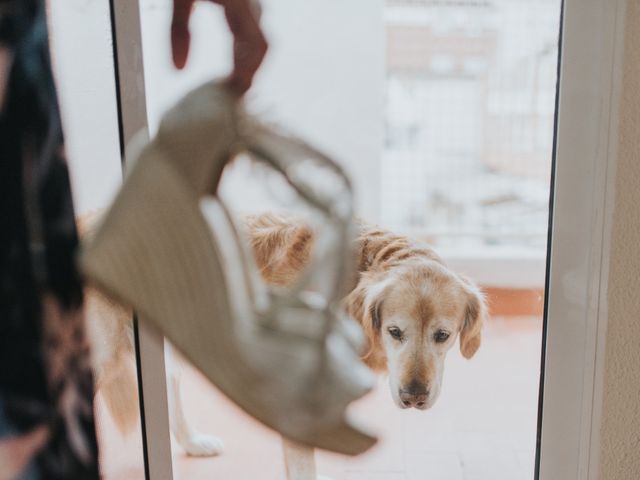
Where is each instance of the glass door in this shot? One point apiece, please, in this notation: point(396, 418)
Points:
point(444, 114)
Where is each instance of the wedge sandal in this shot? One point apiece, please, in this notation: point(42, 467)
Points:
point(168, 247)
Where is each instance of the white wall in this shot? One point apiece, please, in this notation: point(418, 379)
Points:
point(323, 78)
point(620, 432)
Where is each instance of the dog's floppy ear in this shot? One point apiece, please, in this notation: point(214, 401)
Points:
point(475, 315)
point(364, 304)
point(281, 246)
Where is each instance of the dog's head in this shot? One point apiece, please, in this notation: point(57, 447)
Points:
point(412, 315)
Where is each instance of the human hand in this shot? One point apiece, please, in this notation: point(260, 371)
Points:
point(249, 43)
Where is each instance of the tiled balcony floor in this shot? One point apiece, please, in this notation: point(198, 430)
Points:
point(483, 427)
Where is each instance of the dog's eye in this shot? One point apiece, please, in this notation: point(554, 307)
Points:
point(441, 336)
point(395, 332)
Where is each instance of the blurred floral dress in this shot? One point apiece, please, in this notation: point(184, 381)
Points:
point(46, 408)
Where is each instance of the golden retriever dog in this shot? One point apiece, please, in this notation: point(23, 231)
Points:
point(410, 305)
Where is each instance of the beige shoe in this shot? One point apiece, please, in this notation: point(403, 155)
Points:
point(168, 248)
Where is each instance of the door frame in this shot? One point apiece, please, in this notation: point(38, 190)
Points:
point(149, 344)
point(572, 362)
point(578, 258)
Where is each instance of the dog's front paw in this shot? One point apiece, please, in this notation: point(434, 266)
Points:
point(202, 445)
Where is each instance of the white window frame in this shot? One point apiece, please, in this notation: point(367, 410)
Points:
point(586, 137)
point(149, 343)
point(573, 357)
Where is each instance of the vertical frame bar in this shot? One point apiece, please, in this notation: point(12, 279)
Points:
point(132, 118)
point(586, 134)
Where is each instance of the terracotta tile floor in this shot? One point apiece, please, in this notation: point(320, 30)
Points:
point(482, 428)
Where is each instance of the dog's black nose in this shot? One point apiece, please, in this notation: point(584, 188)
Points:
point(415, 395)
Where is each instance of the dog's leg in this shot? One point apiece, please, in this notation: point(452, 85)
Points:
point(117, 383)
point(299, 461)
point(194, 443)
